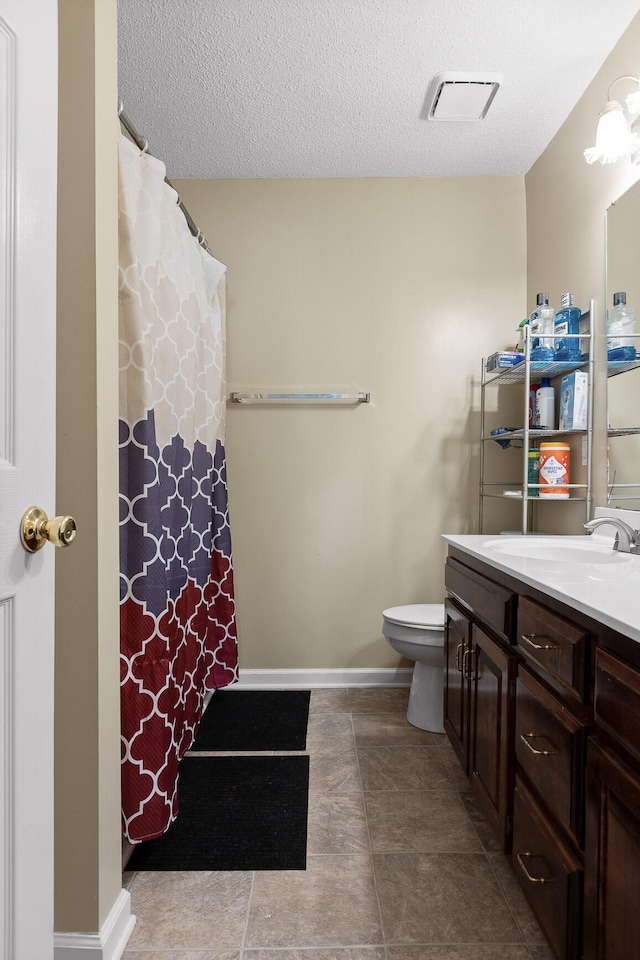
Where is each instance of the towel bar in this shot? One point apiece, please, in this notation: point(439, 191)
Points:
point(296, 397)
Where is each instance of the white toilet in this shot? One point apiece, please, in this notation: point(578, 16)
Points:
point(416, 632)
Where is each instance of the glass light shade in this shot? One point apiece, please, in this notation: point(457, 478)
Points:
point(633, 102)
point(613, 137)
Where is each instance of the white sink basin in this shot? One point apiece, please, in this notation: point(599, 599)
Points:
point(558, 549)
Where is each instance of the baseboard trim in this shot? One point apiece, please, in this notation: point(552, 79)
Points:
point(316, 678)
point(108, 944)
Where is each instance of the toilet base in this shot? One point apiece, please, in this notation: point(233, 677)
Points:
point(425, 709)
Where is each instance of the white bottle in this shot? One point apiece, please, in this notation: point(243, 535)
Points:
point(542, 330)
point(545, 406)
point(621, 326)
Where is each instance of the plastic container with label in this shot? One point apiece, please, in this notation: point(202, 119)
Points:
point(621, 327)
point(542, 330)
point(545, 414)
point(533, 473)
point(555, 459)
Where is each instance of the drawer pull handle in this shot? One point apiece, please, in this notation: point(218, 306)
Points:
point(536, 736)
point(458, 664)
point(538, 646)
point(465, 671)
point(520, 858)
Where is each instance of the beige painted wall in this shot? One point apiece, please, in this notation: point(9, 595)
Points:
point(566, 204)
point(88, 874)
point(395, 286)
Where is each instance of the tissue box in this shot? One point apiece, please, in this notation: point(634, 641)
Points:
point(504, 358)
point(573, 401)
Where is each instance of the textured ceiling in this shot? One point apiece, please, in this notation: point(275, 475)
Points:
point(335, 88)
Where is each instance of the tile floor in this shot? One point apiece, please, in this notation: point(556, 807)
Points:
point(400, 863)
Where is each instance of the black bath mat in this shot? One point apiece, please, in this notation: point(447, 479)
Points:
point(252, 720)
point(236, 813)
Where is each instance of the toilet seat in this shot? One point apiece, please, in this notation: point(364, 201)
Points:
point(425, 616)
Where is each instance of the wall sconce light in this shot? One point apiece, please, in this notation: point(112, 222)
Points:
point(614, 139)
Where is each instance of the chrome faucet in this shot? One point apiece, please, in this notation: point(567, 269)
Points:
point(627, 539)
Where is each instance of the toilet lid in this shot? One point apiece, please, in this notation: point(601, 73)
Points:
point(428, 616)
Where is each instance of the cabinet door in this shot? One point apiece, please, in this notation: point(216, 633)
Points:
point(616, 700)
point(612, 858)
point(550, 875)
point(491, 670)
point(550, 753)
point(456, 687)
point(553, 645)
point(494, 605)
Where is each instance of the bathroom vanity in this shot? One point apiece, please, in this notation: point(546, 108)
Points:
point(542, 706)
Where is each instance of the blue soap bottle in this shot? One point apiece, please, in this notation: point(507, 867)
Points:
point(567, 321)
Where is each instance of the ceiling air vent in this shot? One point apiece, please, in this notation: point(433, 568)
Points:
point(460, 96)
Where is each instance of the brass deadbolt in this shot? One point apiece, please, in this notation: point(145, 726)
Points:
point(36, 529)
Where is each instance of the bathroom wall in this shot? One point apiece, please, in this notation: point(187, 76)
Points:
point(566, 202)
point(88, 875)
point(395, 286)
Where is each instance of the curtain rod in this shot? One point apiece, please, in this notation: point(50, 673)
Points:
point(143, 145)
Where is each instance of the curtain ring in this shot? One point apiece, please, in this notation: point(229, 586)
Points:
point(120, 108)
point(145, 146)
point(200, 237)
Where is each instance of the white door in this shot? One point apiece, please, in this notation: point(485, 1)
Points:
point(28, 122)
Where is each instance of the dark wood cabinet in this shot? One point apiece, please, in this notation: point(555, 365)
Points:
point(550, 751)
point(542, 705)
point(550, 740)
point(612, 842)
point(550, 874)
point(612, 854)
point(616, 702)
point(479, 696)
point(456, 686)
point(554, 645)
point(491, 669)
point(492, 605)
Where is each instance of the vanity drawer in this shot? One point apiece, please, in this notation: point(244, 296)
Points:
point(492, 604)
point(554, 644)
point(550, 745)
point(617, 700)
point(550, 875)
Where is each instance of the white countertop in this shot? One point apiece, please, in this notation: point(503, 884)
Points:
point(607, 592)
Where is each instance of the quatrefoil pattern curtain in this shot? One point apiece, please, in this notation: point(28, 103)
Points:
point(178, 635)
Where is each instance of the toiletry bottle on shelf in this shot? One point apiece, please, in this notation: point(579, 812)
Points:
point(534, 325)
point(567, 321)
point(621, 326)
point(542, 329)
point(533, 472)
point(555, 460)
point(585, 330)
point(533, 390)
point(521, 335)
point(545, 406)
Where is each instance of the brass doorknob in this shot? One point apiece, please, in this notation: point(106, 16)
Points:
point(36, 529)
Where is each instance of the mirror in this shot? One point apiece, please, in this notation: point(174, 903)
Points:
point(623, 388)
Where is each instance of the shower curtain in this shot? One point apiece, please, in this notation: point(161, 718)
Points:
point(177, 612)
